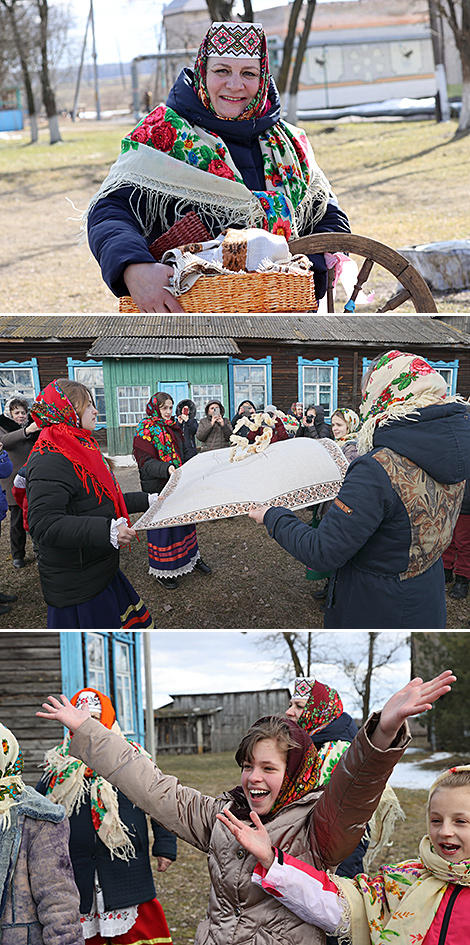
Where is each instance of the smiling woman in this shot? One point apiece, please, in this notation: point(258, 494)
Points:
point(279, 780)
point(218, 150)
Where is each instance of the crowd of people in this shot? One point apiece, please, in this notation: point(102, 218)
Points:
point(387, 545)
point(273, 842)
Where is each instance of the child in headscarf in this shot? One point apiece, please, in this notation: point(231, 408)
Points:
point(395, 512)
point(159, 449)
point(38, 896)
point(109, 844)
point(345, 425)
point(279, 780)
point(425, 900)
point(78, 517)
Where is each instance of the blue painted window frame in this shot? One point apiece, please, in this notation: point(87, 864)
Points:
point(129, 640)
point(71, 662)
point(232, 362)
point(73, 363)
point(32, 363)
point(319, 362)
point(452, 366)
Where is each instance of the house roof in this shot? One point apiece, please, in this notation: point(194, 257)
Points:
point(219, 334)
point(159, 347)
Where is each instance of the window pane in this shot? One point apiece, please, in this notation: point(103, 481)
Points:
point(132, 402)
point(241, 374)
point(123, 687)
point(257, 375)
point(96, 662)
point(324, 375)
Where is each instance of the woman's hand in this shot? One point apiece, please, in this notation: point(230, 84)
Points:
point(163, 863)
point(414, 698)
point(148, 284)
point(124, 535)
point(171, 470)
point(255, 839)
point(66, 713)
point(258, 514)
point(31, 428)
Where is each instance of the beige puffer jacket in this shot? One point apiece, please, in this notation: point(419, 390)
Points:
point(322, 829)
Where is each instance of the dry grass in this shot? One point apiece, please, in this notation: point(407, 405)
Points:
point(401, 183)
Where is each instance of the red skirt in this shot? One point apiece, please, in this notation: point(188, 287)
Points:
point(150, 928)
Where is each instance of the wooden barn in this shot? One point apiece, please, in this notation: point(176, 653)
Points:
point(209, 722)
point(268, 359)
point(36, 664)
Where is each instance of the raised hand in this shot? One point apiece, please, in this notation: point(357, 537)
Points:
point(255, 838)
point(416, 697)
point(64, 712)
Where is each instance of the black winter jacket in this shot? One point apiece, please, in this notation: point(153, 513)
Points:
point(123, 883)
point(70, 527)
point(153, 471)
point(114, 233)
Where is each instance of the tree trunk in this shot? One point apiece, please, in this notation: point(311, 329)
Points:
point(464, 117)
point(48, 96)
point(220, 11)
point(290, 640)
point(248, 16)
point(20, 48)
point(288, 46)
point(294, 85)
point(368, 677)
point(457, 14)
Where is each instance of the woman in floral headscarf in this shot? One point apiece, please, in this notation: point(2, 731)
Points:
point(396, 510)
point(159, 449)
point(345, 425)
point(38, 896)
point(109, 842)
point(218, 147)
point(79, 518)
point(422, 900)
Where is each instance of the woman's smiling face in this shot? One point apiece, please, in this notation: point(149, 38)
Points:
point(262, 775)
point(232, 84)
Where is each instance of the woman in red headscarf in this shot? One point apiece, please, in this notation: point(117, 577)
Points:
point(109, 843)
point(79, 518)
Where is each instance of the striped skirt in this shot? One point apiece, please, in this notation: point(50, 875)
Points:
point(172, 551)
point(118, 607)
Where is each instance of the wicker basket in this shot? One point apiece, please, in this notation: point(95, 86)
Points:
point(245, 292)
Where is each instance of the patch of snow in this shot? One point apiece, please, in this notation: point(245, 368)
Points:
point(412, 775)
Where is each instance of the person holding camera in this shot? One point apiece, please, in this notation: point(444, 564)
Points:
point(186, 421)
point(18, 433)
point(214, 430)
point(313, 424)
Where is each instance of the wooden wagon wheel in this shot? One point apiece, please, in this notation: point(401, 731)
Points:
point(413, 285)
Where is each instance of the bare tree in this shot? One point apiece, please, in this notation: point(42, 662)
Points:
point(19, 36)
point(299, 58)
point(48, 95)
point(378, 651)
point(372, 652)
point(457, 15)
point(288, 46)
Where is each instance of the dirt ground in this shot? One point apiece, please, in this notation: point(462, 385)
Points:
point(387, 175)
point(255, 584)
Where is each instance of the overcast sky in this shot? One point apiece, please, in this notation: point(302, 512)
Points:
point(229, 661)
point(125, 28)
